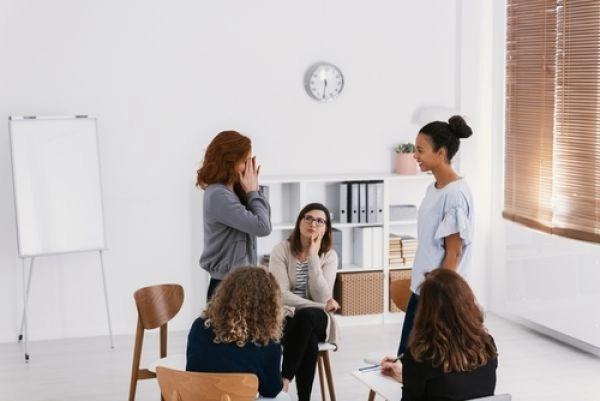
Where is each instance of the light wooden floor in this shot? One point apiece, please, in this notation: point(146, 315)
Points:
point(531, 367)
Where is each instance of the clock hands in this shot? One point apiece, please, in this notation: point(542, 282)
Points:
point(324, 88)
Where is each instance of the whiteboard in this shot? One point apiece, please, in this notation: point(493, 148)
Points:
point(57, 188)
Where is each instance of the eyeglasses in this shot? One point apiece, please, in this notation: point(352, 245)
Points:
point(309, 220)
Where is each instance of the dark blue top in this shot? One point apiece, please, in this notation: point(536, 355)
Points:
point(204, 355)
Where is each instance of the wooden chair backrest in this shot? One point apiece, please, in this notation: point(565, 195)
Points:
point(400, 293)
point(158, 304)
point(178, 385)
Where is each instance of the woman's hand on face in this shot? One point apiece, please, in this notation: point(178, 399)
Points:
point(331, 305)
point(249, 177)
point(315, 243)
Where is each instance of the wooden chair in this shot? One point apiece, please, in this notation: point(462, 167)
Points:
point(400, 293)
point(178, 385)
point(324, 368)
point(156, 306)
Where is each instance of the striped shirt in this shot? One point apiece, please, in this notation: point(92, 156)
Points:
point(301, 279)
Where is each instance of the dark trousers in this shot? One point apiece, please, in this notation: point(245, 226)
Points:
point(409, 319)
point(212, 286)
point(301, 336)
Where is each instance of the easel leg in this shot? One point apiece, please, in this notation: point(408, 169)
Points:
point(110, 333)
point(24, 328)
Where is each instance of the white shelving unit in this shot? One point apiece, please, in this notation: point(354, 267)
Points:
point(289, 194)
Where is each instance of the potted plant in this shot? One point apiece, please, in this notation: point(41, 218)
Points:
point(405, 161)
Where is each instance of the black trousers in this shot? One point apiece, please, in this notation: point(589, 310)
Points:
point(212, 286)
point(301, 336)
point(409, 320)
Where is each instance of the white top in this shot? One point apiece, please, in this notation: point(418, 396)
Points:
point(443, 212)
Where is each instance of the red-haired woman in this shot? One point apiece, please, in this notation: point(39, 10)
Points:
point(235, 213)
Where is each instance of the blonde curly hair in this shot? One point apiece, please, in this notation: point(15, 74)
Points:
point(246, 308)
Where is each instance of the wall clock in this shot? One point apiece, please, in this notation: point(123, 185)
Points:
point(324, 82)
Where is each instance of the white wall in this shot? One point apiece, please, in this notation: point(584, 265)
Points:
point(164, 77)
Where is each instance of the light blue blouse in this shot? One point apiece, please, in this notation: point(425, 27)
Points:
point(443, 212)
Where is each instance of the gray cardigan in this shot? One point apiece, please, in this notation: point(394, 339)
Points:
point(230, 229)
point(322, 271)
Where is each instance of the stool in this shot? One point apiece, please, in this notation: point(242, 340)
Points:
point(324, 367)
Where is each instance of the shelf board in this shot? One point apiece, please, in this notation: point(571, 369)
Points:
point(291, 179)
point(402, 222)
point(346, 225)
point(290, 226)
point(358, 269)
point(282, 226)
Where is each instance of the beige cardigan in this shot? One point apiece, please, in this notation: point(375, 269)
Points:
point(322, 272)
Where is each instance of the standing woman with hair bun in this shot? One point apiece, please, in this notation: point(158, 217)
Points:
point(234, 212)
point(445, 220)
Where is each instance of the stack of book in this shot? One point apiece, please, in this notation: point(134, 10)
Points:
point(396, 259)
point(402, 250)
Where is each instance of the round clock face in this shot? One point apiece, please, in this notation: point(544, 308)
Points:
point(324, 82)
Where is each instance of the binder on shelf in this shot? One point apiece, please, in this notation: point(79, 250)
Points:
point(264, 191)
point(377, 246)
point(372, 202)
point(363, 252)
point(379, 200)
point(353, 204)
point(362, 202)
point(343, 218)
point(337, 244)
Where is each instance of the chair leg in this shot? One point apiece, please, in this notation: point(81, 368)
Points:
point(163, 347)
point(329, 375)
point(135, 366)
point(321, 375)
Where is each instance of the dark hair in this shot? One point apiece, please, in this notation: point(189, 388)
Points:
point(294, 238)
point(224, 151)
point(447, 135)
point(246, 308)
point(448, 326)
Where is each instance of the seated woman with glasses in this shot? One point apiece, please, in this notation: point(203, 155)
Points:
point(305, 266)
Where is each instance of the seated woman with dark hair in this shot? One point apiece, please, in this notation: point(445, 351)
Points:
point(450, 354)
point(240, 330)
point(305, 266)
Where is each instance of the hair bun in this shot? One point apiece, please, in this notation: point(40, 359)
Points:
point(459, 126)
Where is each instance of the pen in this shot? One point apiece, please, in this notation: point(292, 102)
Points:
point(375, 367)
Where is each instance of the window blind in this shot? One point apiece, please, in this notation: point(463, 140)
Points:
point(552, 139)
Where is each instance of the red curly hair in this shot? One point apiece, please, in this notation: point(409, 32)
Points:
point(246, 308)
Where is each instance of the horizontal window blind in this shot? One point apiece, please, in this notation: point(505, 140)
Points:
point(552, 140)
